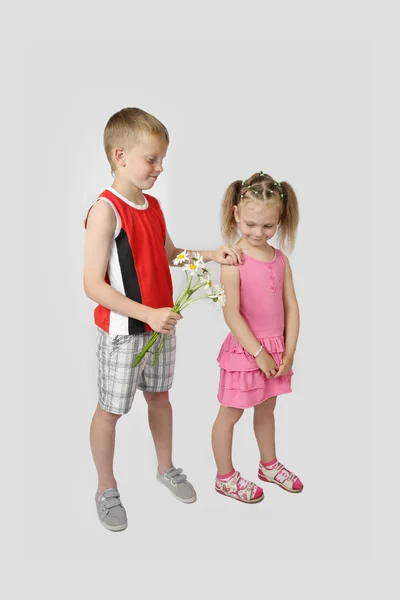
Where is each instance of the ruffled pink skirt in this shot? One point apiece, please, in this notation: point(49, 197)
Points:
point(242, 384)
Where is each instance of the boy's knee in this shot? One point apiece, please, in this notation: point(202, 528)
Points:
point(107, 417)
point(155, 399)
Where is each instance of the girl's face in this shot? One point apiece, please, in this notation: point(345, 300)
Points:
point(257, 221)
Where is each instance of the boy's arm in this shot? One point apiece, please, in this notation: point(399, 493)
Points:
point(226, 255)
point(100, 229)
point(292, 315)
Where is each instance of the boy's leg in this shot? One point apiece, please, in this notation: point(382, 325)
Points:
point(155, 383)
point(102, 443)
point(110, 509)
point(117, 381)
point(160, 422)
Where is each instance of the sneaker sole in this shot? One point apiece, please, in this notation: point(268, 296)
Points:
point(280, 485)
point(114, 527)
point(255, 501)
point(184, 500)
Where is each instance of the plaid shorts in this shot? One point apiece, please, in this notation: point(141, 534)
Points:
point(118, 380)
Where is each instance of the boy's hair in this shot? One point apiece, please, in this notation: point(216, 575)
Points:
point(127, 127)
point(262, 187)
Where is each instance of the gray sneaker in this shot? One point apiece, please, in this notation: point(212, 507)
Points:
point(176, 481)
point(110, 510)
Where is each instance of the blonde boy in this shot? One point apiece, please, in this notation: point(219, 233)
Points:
point(128, 253)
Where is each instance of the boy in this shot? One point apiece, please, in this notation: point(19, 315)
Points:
point(126, 272)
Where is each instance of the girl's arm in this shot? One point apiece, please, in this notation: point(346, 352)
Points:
point(292, 316)
point(230, 279)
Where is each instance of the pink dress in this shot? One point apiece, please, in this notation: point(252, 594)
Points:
point(242, 384)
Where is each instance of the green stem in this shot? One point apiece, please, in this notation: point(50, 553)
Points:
point(193, 300)
point(150, 343)
point(160, 348)
point(184, 290)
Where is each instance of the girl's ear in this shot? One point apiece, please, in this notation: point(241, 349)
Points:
point(236, 214)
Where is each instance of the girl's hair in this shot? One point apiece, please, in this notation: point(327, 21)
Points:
point(128, 126)
point(262, 187)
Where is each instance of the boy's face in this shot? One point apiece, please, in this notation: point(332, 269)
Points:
point(143, 162)
point(257, 221)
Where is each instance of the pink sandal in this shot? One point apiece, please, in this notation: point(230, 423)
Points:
point(239, 489)
point(279, 475)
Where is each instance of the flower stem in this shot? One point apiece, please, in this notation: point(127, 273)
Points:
point(193, 300)
point(150, 343)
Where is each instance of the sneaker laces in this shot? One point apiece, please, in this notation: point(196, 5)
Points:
point(176, 476)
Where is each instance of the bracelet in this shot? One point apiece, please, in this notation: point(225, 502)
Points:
point(258, 351)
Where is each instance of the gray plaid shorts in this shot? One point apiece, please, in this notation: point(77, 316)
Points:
point(118, 380)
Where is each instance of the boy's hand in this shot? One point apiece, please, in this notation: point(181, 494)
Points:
point(163, 320)
point(285, 366)
point(267, 364)
point(228, 255)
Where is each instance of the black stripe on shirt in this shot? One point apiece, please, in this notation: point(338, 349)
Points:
point(129, 278)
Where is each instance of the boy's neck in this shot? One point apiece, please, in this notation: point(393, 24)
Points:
point(128, 191)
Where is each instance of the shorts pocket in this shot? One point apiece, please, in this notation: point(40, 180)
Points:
point(118, 341)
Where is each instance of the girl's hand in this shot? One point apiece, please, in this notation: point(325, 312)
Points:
point(285, 366)
point(267, 364)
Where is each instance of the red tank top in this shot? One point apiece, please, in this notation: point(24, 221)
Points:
point(138, 265)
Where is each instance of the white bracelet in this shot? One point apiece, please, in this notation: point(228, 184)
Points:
point(258, 351)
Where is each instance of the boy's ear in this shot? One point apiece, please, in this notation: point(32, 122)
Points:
point(119, 156)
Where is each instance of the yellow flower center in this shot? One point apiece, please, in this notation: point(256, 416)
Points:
point(193, 267)
point(181, 255)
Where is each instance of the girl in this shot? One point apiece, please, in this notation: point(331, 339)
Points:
point(262, 313)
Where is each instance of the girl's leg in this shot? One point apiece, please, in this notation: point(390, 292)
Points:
point(270, 469)
point(102, 442)
point(264, 429)
point(222, 435)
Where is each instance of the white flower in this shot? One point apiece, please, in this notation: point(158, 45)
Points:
point(205, 277)
point(196, 256)
point(198, 259)
point(181, 258)
point(209, 288)
point(219, 296)
point(192, 268)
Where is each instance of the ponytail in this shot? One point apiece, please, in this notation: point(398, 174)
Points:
point(231, 199)
point(289, 218)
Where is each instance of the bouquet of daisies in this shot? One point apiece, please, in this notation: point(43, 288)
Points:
point(198, 277)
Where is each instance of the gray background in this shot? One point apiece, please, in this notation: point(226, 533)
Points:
point(297, 110)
